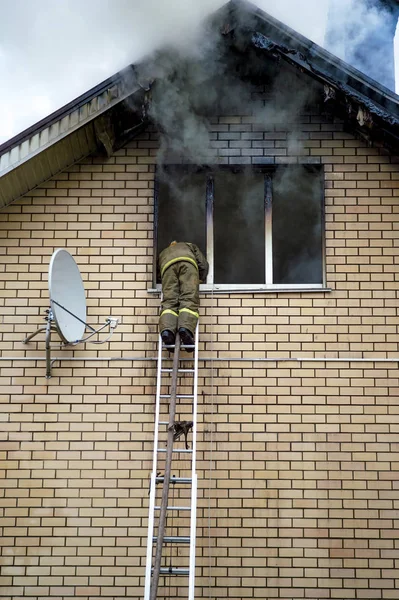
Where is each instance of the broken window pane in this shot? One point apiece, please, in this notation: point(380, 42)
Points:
point(181, 208)
point(297, 226)
point(239, 227)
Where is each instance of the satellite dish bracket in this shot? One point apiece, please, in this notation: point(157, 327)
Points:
point(49, 327)
point(65, 282)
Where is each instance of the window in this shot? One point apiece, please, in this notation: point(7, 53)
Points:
point(260, 229)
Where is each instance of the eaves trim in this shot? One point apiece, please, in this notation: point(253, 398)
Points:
point(271, 34)
point(64, 122)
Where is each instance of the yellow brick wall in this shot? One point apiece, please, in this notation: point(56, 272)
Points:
point(298, 460)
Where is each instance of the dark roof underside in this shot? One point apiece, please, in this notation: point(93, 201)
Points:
point(347, 90)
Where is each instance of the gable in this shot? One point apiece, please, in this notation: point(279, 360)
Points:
point(257, 47)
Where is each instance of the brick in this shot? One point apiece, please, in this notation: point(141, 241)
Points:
point(304, 454)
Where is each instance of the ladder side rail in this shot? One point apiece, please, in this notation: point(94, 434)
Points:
point(193, 514)
point(195, 396)
point(153, 477)
point(193, 527)
point(168, 469)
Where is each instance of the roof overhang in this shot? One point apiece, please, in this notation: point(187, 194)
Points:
point(66, 136)
point(369, 110)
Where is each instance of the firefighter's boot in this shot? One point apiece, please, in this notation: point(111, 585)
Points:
point(186, 339)
point(168, 339)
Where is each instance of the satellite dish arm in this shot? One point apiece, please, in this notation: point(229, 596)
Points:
point(107, 324)
point(73, 315)
point(94, 331)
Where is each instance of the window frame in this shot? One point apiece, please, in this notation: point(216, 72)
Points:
point(268, 172)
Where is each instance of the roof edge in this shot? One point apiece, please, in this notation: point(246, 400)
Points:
point(312, 51)
point(126, 73)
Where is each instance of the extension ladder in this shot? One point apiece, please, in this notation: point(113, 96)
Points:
point(180, 513)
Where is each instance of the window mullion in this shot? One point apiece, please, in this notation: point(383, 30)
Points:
point(209, 227)
point(156, 228)
point(268, 231)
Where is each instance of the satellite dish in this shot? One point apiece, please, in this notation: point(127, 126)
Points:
point(67, 296)
point(67, 313)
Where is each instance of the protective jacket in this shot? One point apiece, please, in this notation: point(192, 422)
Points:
point(184, 251)
point(181, 265)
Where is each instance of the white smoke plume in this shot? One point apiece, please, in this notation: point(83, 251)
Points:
point(360, 32)
point(51, 52)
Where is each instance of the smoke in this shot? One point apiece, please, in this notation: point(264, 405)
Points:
point(241, 261)
point(196, 84)
point(297, 225)
point(51, 52)
point(361, 33)
point(190, 89)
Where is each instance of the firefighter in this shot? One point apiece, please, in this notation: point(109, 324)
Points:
point(182, 266)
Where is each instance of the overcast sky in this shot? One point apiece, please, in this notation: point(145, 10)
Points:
point(51, 51)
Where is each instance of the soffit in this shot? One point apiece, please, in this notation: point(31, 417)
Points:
point(63, 138)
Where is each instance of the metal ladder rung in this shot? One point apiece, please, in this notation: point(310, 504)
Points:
point(173, 539)
point(163, 422)
point(182, 346)
point(177, 396)
point(180, 450)
point(178, 370)
point(174, 480)
point(173, 571)
point(174, 508)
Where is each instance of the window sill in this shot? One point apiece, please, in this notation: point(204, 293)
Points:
point(254, 289)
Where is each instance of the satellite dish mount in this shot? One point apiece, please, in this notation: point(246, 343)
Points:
point(67, 313)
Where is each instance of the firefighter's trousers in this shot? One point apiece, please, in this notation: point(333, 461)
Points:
point(180, 287)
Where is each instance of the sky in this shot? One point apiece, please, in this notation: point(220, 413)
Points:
point(52, 51)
